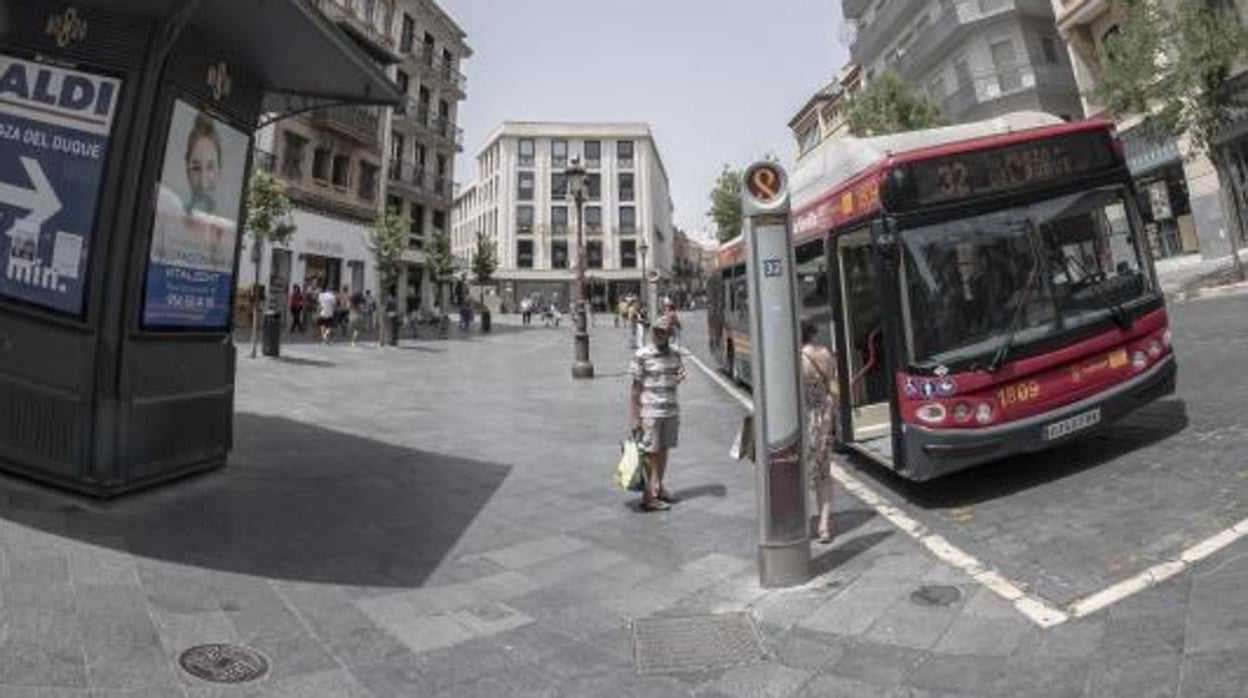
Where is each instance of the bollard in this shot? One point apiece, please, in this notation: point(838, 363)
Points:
point(272, 333)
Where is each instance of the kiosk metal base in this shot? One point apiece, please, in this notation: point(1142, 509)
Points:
point(784, 564)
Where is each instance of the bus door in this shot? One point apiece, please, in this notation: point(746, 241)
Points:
point(862, 346)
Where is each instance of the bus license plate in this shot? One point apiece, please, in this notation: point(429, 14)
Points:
point(1070, 425)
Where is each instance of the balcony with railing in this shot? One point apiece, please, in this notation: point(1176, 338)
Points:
point(265, 161)
point(433, 64)
point(951, 23)
point(359, 123)
point(417, 179)
point(369, 22)
point(1005, 82)
point(446, 129)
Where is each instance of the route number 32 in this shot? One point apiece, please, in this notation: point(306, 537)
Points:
point(953, 179)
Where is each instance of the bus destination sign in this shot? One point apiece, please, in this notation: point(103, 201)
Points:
point(999, 170)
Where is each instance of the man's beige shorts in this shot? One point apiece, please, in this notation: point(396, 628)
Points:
point(659, 433)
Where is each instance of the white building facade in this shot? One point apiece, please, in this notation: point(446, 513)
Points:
point(520, 201)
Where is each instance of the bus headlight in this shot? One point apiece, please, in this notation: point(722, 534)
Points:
point(961, 412)
point(983, 413)
point(1154, 348)
point(932, 413)
point(1139, 360)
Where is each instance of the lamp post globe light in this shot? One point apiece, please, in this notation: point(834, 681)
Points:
point(581, 367)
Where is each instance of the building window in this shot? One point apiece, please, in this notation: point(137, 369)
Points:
point(628, 220)
point(427, 52)
point(368, 181)
point(524, 254)
point(559, 220)
point(559, 154)
point(593, 154)
point(626, 187)
point(408, 37)
point(341, 175)
point(558, 186)
point(292, 155)
point(558, 254)
point(404, 82)
point(593, 254)
point(524, 220)
point(416, 228)
point(320, 164)
point(624, 153)
point(439, 221)
point(1049, 47)
point(628, 254)
point(1009, 74)
point(394, 205)
point(526, 152)
point(593, 220)
point(525, 192)
point(593, 186)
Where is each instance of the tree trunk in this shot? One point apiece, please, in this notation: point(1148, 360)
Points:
point(1231, 201)
point(255, 298)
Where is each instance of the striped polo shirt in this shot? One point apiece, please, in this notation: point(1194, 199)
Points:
point(657, 372)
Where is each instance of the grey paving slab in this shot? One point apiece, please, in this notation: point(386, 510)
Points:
point(876, 664)
point(24, 664)
point(762, 681)
point(970, 673)
point(1213, 674)
point(1142, 676)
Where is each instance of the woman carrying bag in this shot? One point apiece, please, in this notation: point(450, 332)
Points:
point(820, 391)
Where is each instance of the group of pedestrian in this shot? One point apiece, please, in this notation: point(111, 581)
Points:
point(338, 313)
point(548, 308)
point(657, 368)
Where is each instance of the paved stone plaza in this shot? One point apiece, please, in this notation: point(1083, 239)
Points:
point(438, 519)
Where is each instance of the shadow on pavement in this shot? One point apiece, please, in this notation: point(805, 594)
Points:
point(843, 552)
point(296, 502)
point(300, 361)
point(718, 491)
point(1145, 427)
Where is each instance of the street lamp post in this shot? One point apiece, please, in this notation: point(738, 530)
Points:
point(642, 249)
point(581, 366)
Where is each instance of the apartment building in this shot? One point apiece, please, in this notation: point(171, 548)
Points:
point(423, 137)
point(341, 163)
point(1180, 194)
point(974, 58)
point(520, 200)
point(823, 115)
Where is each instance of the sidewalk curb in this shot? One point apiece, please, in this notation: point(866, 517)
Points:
point(1235, 289)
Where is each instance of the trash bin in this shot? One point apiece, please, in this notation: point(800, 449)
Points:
point(485, 320)
point(272, 333)
point(393, 323)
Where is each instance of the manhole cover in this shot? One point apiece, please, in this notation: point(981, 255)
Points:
point(224, 663)
point(936, 595)
point(696, 643)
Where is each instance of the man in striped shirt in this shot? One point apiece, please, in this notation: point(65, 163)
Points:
point(656, 370)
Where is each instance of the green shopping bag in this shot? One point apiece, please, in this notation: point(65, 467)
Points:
point(629, 475)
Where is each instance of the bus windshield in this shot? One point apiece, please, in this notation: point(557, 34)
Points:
point(1014, 277)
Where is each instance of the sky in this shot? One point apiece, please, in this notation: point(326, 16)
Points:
point(717, 80)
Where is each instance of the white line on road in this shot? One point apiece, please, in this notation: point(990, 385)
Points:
point(1035, 608)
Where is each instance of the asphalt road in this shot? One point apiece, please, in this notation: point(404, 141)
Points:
point(1074, 520)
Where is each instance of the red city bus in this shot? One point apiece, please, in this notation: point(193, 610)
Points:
point(986, 289)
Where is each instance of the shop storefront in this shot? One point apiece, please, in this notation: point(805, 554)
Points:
point(1165, 204)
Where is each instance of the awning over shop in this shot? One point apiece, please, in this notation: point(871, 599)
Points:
point(1147, 150)
point(300, 57)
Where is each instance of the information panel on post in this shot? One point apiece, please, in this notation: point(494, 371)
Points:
point(784, 546)
point(55, 125)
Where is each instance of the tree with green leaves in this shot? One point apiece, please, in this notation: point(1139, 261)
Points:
point(388, 241)
point(887, 105)
point(1173, 62)
point(484, 262)
point(726, 204)
point(441, 264)
point(269, 220)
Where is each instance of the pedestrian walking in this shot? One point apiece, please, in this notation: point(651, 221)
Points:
point(355, 317)
point(657, 369)
point(820, 391)
point(327, 309)
point(669, 312)
point(342, 309)
point(621, 310)
point(310, 299)
point(370, 312)
point(296, 309)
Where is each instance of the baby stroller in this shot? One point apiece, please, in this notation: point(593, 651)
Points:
point(551, 316)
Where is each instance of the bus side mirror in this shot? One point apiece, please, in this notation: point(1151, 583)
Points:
point(885, 242)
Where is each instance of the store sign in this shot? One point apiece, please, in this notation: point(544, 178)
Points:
point(54, 134)
point(190, 272)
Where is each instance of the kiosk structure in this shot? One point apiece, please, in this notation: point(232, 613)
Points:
point(125, 147)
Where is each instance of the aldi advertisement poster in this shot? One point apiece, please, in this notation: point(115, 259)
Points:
point(195, 232)
point(55, 125)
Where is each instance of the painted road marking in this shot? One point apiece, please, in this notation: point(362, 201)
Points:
point(1035, 608)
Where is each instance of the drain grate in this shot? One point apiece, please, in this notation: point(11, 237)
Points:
point(224, 663)
point(936, 595)
point(696, 643)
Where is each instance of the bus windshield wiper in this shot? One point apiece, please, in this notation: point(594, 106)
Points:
point(999, 357)
point(1120, 317)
